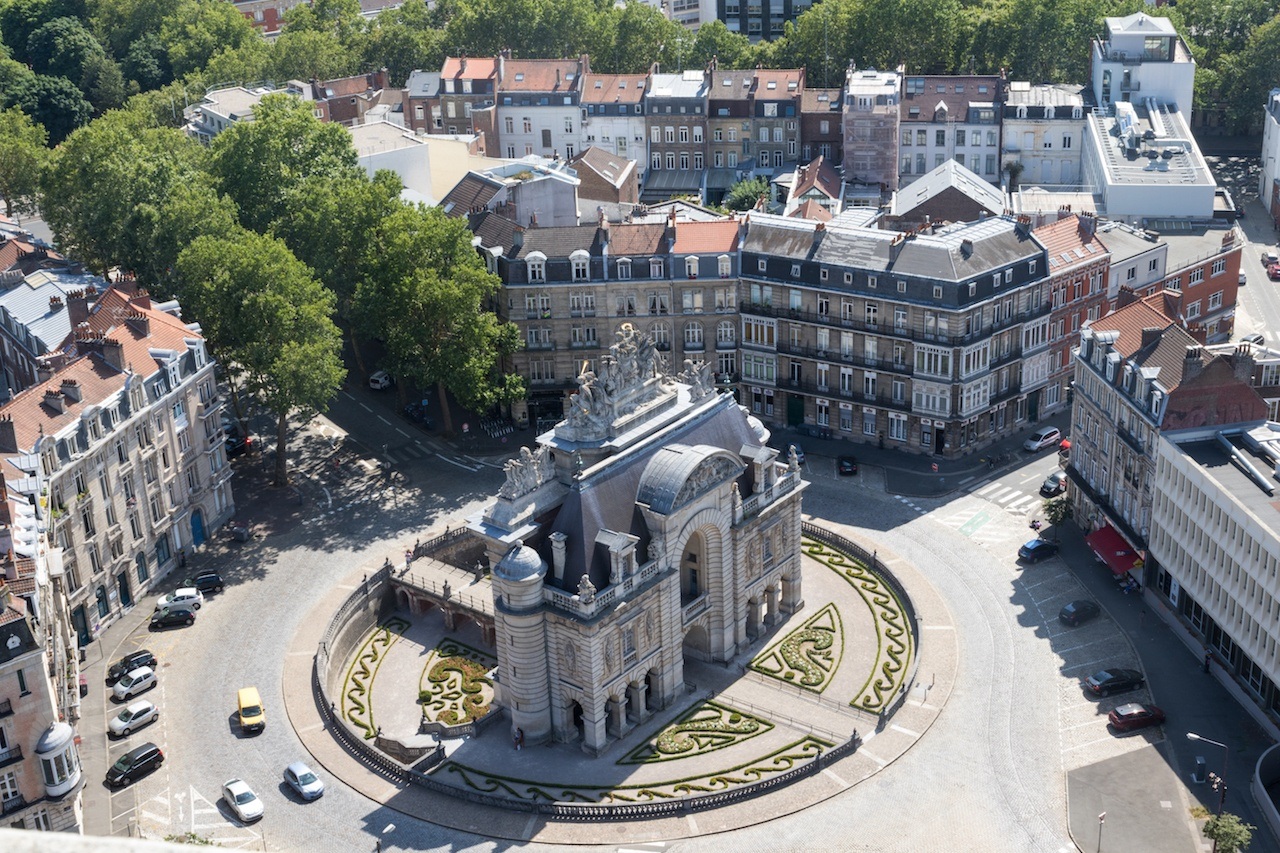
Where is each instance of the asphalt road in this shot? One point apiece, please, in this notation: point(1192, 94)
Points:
point(991, 772)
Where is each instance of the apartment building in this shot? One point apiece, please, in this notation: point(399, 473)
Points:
point(676, 120)
point(1139, 374)
point(1215, 551)
point(221, 108)
point(38, 313)
point(1203, 269)
point(421, 99)
point(943, 118)
point(911, 338)
point(570, 289)
point(466, 84)
point(1044, 132)
point(760, 19)
point(538, 107)
point(1079, 264)
point(1139, 260)
point(821, 117)
point(729, 128)
point(122, 450)
point(613, 116)
point(1269, 175)
point(870, 121)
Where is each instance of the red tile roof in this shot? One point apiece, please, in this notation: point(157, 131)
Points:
point(32, 418)
point(1068, 243)
point(820, 175)
point(701, 237)
point(1130, 320)
point(478, 68)
point(627, 240)
point(810, 209)
point(613, 88)
point(538, 75)
point(164, 331)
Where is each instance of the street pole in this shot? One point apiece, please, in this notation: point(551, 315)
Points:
point(1219, 782)
point(1102, 818)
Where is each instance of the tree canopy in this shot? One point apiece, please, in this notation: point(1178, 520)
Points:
point(23, 143)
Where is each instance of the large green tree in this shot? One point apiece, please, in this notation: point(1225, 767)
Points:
point(199, 29)
point(427, 298)
point(731, 50)
point(1250, 75)
point(269, 322)
point(402, 39)
point(259, 163)
point(104, 180)
point(54, 102)
point(23, 143)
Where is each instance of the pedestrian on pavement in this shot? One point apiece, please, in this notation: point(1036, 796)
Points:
point(408, 557)
point(1208, 656)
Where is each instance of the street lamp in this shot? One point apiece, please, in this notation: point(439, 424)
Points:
point(1218, 781)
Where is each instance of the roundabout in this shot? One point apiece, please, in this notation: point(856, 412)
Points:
point(823, 701)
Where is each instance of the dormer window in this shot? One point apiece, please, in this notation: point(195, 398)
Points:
point(581, 262)
point(724, 266)
point(537, 265)
point(691, 267)
point(655, 268)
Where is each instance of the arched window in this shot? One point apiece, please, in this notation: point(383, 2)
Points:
point(537, 265)
point(691, 267)
point(661, 333)
point(693, 336)
point(723, 263)
point(725, 333)
point(581, 261)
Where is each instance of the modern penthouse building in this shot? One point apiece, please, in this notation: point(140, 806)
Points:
point(911, 338)
point(122, 451)
point(1140, 374)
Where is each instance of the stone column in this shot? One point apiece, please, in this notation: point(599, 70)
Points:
point(774, 594)
point(755, 619)
point(639, 700)
point(618, 711)
point(594, 734)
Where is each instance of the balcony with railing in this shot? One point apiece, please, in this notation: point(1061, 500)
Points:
point(6, 708)
point(1132, 440)
point(853, 357)
point(892, 329)
point(815, 389)
point(12, 755)
point(16, 803)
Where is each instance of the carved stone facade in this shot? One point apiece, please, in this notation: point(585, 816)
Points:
point(652, 526)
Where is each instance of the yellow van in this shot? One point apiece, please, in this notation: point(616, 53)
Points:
point(252, 718)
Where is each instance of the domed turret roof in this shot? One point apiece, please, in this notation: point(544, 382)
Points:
point(55, 738)
point(521, 563)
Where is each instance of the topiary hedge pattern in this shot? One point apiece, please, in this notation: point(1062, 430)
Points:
point(357, 687)
point(705, 728)
point(454, 687)
point(893, 636)
point(809, 655)
point(780, 760)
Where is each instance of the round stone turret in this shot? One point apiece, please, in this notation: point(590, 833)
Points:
point(519, 576)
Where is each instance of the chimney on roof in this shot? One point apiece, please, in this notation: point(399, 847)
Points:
point(966, 247)
point(55, 304)
point(78, 307)
point(1149, 336)
point(1125, 296)
point(1088, 224)
point(820, 227)
point(8, 435)
point(533, 219)
point(54, 400)
point(1022, 226)
point(1242, 363)
point(557, 78)
point(71, 390)
point(140, 323)
point(1191, 364)
point(462, 63)
point(44, 370)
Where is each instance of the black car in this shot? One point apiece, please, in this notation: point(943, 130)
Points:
point(134, 763)
point(1108, 681)
point(237, 444)
point(847, 466)
point(1037, 550)
point(171, 616)
point(129, 663)
point(1078, 612)
point(206, 582)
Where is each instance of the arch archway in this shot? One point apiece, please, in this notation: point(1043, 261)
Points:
point(697, 642)
point(693, 571)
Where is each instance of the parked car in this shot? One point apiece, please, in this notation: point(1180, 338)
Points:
point(1042, 438)
point(237, 444)
point(1244, 279)
point(1114, 680)
point(187, 597)
point(1078, 612)
point(300, 778)
point(380, 380)
point(1269, 257)
point(1255, 338)
point(171, 616)
point(205, 582)
point(134, 716)
point(134, 763)
point(1037, 550)
point(143, 678)
point(130, 662)
point(847, 466)
point(242, 800)
point(1054, 484)
point(1135, 715)
point(1273, 272)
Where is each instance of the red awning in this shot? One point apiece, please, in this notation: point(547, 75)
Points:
point(1113, 550)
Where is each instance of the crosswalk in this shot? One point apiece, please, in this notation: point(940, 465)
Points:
point(1011, 500)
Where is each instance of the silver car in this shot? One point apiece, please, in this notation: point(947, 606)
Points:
point(300, 778)
point(242, 800)
point(133, 717)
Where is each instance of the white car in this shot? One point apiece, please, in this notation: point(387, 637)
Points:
point(1042, 438)
point(143, 678)
point(186, 598)
point(133, 717)
point(380, 380)
point(300, 778)
point(242, 800)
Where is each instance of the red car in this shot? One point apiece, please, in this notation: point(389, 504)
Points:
point(1273, 272)
point(1135, 715)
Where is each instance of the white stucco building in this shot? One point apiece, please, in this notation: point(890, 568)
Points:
point(1044, 128)
point(651, 526)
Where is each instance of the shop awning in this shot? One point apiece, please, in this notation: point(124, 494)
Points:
point(1111, 549)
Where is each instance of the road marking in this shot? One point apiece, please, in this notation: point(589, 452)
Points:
point(877, 759)
point(1081, 646)
point(151, 816)
point(1090, 743)
point(402, 432)
point(968, 479)
point(908, 732)
point(366, 408)
point(461, 465)
point(827, 771)
point(974, 524)
point(1087, 664)
point(1078, 726)
point(384, 420)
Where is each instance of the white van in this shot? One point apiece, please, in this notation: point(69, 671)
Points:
point(1042, 438)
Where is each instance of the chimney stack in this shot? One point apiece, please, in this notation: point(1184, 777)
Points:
point(71, 390)
point(140, 323)
point(55, 304)
point(558, 545)
point(78, 307)
point(1242, 363)
point(54, 400)
point(8, 435)
point(1191, 364)
point(1149, 336)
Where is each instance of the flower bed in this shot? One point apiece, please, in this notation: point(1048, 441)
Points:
point(705, 728)
point(809, 655)
point(357, 687)
point(454, 687)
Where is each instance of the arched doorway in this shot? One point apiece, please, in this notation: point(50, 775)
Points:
point(697, 643)
point(579, 724)
point(652, 700)
point(197, 529)
point(693, 568)
point(122, 586)
point(103, 606)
